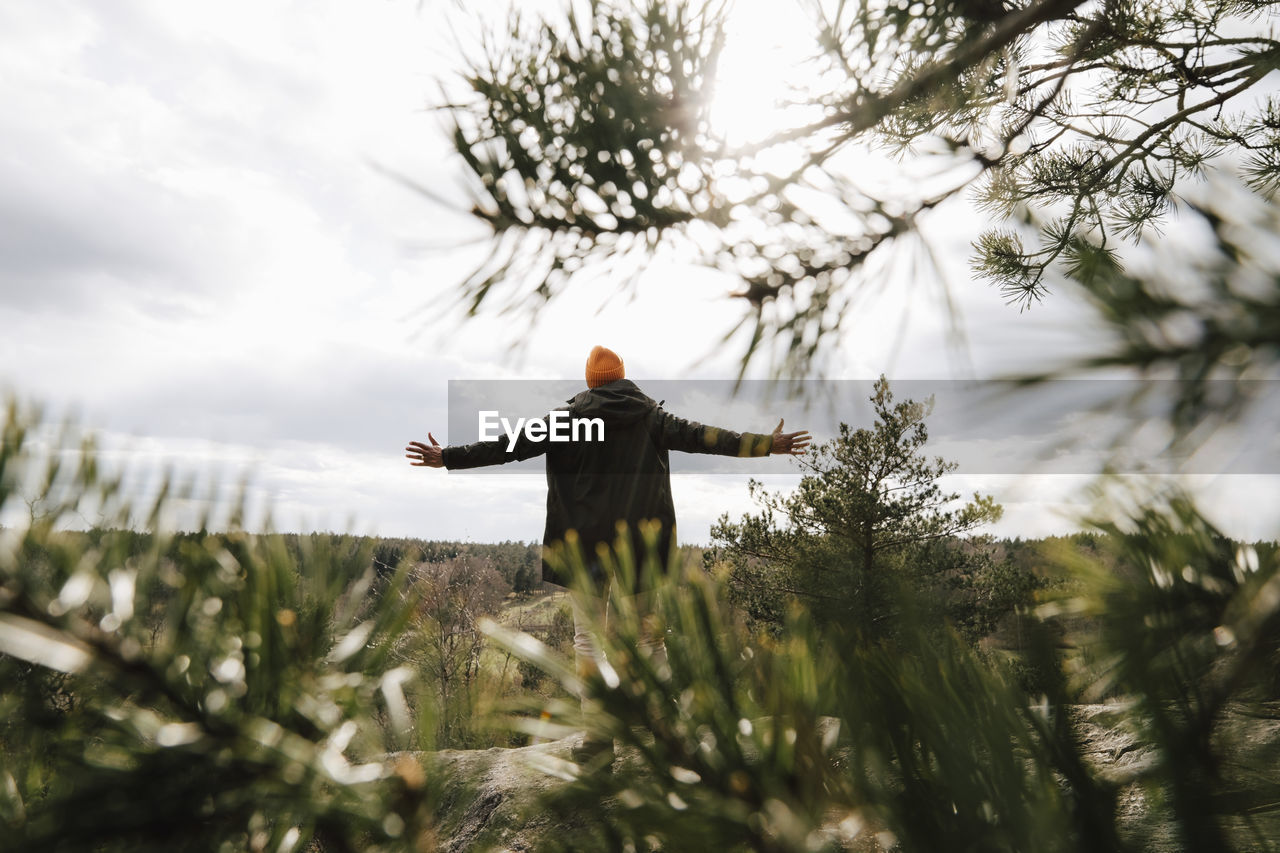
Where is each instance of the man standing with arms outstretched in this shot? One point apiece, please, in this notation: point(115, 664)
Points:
point(594, 486)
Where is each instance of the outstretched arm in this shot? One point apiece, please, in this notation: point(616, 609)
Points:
point(496, 451)
point(691, 437)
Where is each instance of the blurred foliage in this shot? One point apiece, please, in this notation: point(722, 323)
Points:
point(1079, 126)
point(201, 691)
point(868, 516)
point(1183, 630)
point(586, 137)
point(822, 741)
point(1202, 308)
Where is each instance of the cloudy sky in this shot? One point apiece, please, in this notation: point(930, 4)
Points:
point(203, 258)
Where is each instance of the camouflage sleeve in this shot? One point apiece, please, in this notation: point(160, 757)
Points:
point(675, 433)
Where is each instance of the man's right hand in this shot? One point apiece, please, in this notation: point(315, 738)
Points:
point(423, 455)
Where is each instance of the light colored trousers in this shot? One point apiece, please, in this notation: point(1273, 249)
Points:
point(596, 613)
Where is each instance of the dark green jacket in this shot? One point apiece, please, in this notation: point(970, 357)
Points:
point(594, 485)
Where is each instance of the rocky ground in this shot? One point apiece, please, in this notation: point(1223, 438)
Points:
point(490, 799)
point(1250, 787)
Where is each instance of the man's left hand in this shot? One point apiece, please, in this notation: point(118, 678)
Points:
point(790, 443)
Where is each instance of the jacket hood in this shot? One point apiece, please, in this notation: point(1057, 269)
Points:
point(619, 402)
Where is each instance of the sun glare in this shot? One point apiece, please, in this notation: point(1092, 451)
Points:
point(760, 68)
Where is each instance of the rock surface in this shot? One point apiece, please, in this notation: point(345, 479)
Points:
point(490, 797)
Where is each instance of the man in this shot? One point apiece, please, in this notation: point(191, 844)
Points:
point(597, 484)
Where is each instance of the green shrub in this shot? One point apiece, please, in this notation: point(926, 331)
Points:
point(203, 691)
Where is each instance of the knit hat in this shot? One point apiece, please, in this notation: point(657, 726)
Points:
point(603, 367)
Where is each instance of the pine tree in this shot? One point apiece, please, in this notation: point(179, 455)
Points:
point(870, 514)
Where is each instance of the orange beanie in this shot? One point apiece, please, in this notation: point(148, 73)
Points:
point(603, 367)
